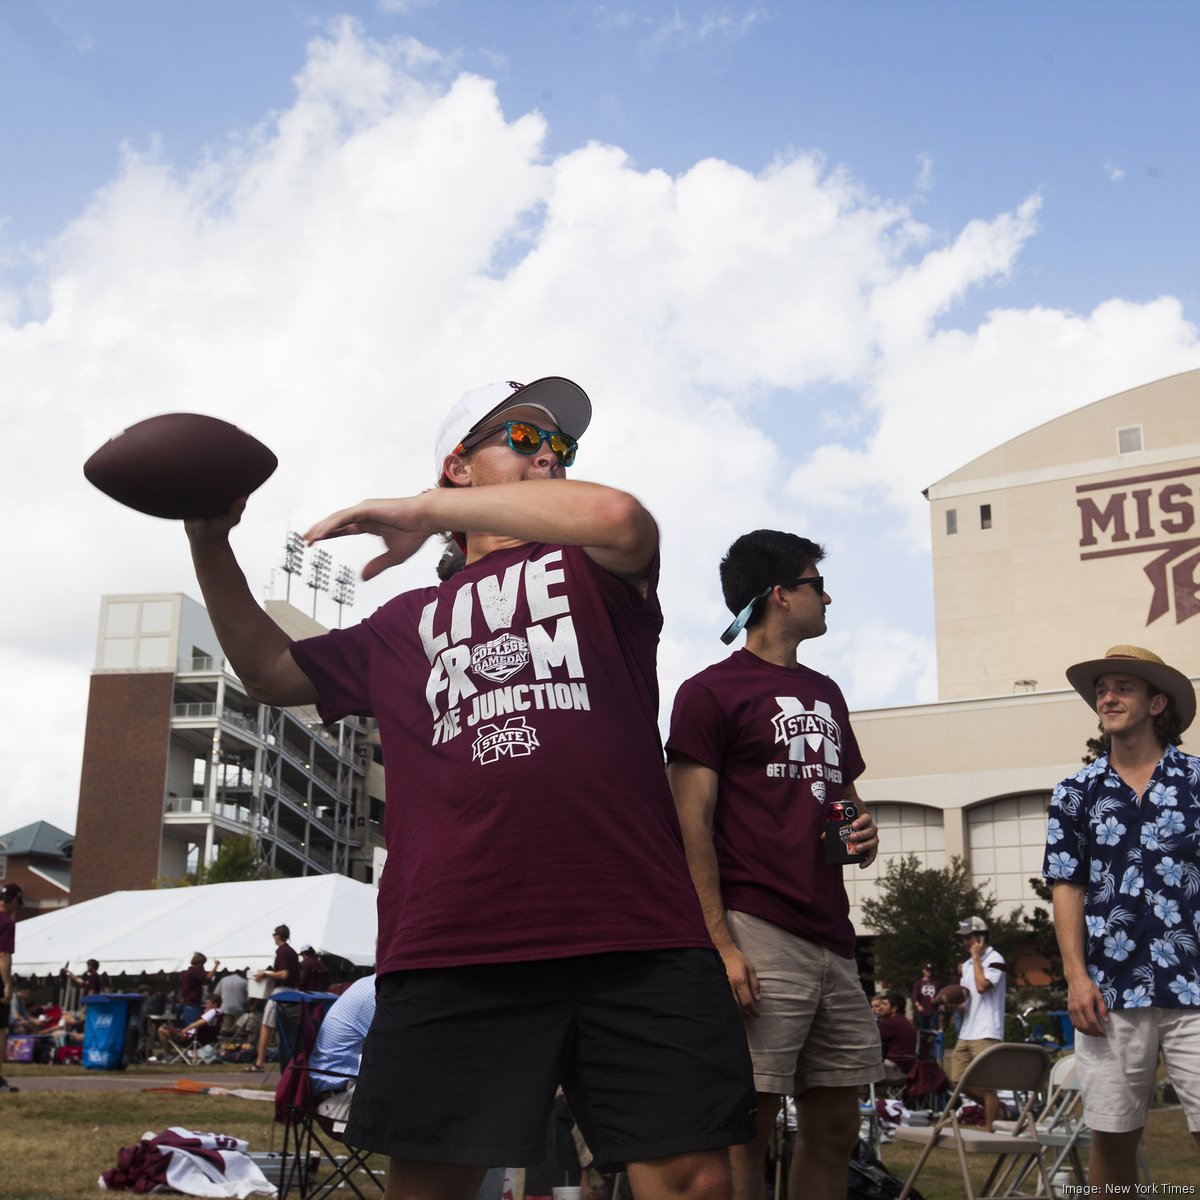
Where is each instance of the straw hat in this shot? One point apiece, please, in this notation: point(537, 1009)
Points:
point(1141, 664)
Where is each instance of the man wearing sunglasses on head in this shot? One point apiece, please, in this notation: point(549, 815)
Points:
point(760, 752)
point(517, 707)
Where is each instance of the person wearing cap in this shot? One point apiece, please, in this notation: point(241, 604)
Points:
point(759, 748)
point(923, 992)
point(1123, 855)
point(983, 977)
point(314, 974)
point(11, 898)
point(517, 708)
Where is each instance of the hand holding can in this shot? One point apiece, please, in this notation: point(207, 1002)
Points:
point(839, 818)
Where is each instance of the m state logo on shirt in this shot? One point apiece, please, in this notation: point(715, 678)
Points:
point(807, 729)
point(514, 739)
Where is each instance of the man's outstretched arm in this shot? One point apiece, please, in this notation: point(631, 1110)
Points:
point(257, 649)
point(611, 526)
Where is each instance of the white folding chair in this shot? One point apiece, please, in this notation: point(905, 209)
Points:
point(1008, 1066)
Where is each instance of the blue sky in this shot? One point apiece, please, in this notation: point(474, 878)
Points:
point(808, 258)
point(1093, 104)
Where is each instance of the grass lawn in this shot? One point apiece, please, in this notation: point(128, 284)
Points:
point(56, 1144)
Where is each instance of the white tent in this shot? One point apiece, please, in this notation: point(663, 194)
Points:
point(160, 930)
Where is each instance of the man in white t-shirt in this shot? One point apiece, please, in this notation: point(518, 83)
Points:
point(984, 979)
point(201, 1032)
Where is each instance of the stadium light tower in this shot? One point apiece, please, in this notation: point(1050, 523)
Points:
point(318, 575)
point(293, 559)
point(343, 590)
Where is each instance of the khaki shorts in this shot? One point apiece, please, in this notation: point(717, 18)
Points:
point(814, 1026)
point(965, 1052)
point(1117, 1073)
point(268, 1017)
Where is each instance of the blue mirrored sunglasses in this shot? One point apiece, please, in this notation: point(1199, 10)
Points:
point(526, 438)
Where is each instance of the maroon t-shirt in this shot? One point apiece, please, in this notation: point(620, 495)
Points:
point(191, 985)
point(923, 993)
point(528, 812)
point(286, 959)
point(898, 1037)
point(780, 742)
point(8, 934)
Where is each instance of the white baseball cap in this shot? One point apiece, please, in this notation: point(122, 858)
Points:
point(566, 404)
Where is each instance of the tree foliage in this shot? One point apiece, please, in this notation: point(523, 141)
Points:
point(916, 915)
point(1040, 924)
point(237, 860)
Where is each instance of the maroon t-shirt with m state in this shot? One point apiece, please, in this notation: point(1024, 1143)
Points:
point(780, 742)
point(528, 812)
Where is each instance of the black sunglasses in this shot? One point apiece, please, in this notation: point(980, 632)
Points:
point(739, 622)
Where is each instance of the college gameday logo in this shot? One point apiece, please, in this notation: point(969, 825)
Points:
point(501, 658)
point(1153, 515)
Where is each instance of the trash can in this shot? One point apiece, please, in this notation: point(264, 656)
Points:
point(111, 1021)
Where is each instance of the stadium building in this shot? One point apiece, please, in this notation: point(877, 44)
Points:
point(1076, 536)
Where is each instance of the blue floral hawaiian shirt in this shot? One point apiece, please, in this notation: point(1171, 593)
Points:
point(1140, 863)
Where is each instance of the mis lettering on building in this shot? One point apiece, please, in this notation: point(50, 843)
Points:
point(1152, 515)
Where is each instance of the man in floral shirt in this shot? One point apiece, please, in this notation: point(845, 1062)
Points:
point(1123, 853)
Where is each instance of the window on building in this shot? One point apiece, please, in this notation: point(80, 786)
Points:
point(1129, 439)
point(952, 520)
point(376, 811)
point(985, 516)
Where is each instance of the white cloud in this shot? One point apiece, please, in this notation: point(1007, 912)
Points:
point(1115, 173)
point(762, 347)
point(924, 180)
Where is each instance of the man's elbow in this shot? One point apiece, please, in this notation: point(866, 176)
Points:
point(629, 526)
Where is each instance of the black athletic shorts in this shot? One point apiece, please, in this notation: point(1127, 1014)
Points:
point(461, 1064)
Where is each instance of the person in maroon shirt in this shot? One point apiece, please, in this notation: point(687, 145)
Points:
point(314, 974)
point(284, 973)
point(91, 982)
point(192, 984)
point(898, 1037)
point(923, 992)
point(517, 709)
point(760, 747)
point(11, 898)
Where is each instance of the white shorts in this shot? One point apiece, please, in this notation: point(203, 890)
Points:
point(814, 1027)
point(1117, 1072)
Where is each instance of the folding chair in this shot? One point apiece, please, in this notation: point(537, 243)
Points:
point(314, 1157)
point(1016, 1066)
point(1062, 1127)
point(185, 1049)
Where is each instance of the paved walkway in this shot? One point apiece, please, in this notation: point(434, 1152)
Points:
point(125, 1081)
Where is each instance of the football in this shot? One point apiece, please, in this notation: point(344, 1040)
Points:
point(952, 993)
point(181, 466)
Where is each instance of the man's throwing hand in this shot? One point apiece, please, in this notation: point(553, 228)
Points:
point(398, 522)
